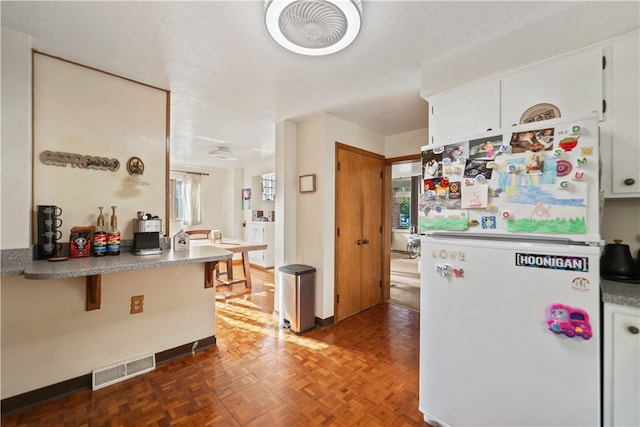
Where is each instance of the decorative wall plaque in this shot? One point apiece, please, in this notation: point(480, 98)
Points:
point(58, 158)
point(540, 112)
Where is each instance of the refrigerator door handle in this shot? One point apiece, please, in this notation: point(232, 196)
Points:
point(511, 238)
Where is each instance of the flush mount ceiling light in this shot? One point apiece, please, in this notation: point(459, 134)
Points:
point(222, 153)
point(313, 27)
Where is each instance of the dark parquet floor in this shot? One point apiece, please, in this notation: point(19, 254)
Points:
point(362, 371)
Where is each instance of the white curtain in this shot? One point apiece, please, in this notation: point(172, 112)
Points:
point(191, 197)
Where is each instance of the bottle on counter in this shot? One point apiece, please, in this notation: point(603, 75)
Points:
point(99, 237)
point(113, 235)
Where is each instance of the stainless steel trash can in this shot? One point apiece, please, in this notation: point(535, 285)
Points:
point(297, 291)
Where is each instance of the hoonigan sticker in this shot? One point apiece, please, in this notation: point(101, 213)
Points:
point(554, 262)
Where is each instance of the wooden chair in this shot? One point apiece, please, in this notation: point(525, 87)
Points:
point(206, 234)
point(199, 234)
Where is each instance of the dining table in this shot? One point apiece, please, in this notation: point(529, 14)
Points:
point(242, 247)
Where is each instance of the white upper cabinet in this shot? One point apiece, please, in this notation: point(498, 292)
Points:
point(572, 83)
point(464, 110)
point(620, 132)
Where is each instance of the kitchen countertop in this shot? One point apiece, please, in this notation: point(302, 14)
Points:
point(620, 293)
point(612, 292)
point(126, 261)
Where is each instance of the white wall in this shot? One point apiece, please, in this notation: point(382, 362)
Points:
point(315, 212)
point(231, 203)
point(311, 218)
point(47, 336)
point(406, 144)
point(315, 216)
point(285, 245)
point(81, 111)
point(15, 225)
point(622, 222)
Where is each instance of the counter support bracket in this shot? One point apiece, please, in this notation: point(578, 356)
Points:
point(210, 274)
point(93, 292)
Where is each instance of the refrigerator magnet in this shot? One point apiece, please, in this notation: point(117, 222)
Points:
point(454, 190)
point(568, 144)
point(580, 284)
point(563, 167)
point(488, 222)
point(586, 151)
point(570, 321)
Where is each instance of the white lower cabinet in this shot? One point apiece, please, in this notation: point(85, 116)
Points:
point(621, 365)
point(261, 232)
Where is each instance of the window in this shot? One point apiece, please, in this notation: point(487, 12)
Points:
point(176, 207)
point(401, 203)
point(269, 186)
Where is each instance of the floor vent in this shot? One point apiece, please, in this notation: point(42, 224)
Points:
point(121, 371)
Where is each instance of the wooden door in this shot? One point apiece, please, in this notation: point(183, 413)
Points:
point(372, 194)
point(359, 193)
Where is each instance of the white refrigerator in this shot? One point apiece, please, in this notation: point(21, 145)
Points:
point(510, 301)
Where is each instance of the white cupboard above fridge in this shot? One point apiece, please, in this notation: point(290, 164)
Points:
point(602, 78)
point(464, 110)
point(571, 83)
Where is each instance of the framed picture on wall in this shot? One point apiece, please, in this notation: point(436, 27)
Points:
point(308, 183)
point(246, 198)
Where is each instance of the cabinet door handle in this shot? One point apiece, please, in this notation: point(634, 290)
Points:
point(365, 241)
point(629, 181)
point(633, 330)
point(358, 242)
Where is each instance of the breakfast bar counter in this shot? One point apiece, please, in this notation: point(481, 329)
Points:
point(92, 268)
point(126, 261)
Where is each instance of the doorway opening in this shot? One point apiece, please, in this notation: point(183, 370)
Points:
point(403, 244)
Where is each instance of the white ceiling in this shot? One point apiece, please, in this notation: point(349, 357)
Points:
point(231, 83)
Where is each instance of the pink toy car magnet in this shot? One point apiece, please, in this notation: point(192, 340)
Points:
point(570, 321)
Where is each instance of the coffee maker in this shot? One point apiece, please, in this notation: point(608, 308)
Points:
point(146, 234)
